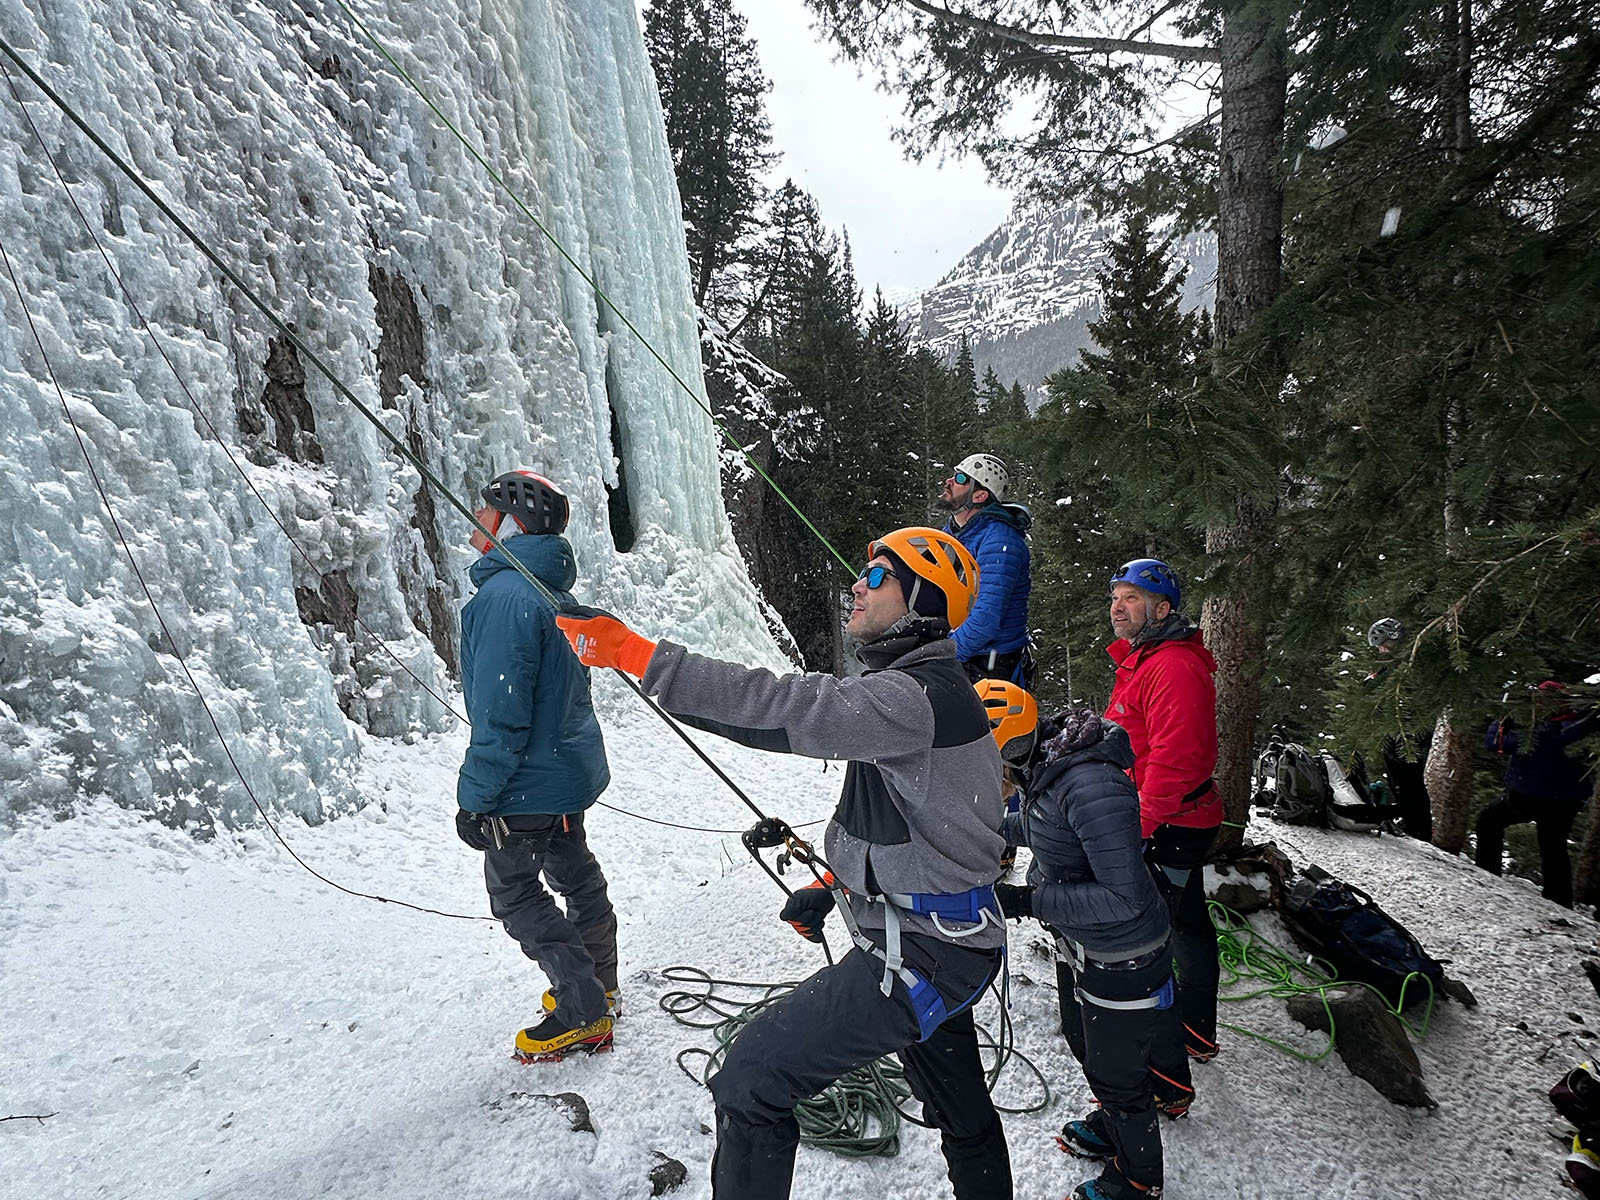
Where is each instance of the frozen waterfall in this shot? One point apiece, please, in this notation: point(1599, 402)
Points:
point(320, 175)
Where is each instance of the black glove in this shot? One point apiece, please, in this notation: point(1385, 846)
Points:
point(807, 909)
point(1015, 902)
point(469, 828)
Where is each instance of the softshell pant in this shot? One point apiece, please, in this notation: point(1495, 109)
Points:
point(1552, 818)
point(1405, 775)
point(577, 949)
point(1114, 1046)
point(1177, 858)
point(838, 1020)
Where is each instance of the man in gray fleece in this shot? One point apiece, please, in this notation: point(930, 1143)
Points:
point(914, 848)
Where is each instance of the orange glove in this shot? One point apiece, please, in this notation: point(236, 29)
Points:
point(809, 907)
point(601, 640)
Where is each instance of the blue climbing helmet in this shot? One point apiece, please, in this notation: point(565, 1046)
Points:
point(1152, 575)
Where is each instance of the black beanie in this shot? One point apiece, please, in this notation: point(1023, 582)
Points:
point(929, 601)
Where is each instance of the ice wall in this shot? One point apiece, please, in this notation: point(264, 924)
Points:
point(316, 171)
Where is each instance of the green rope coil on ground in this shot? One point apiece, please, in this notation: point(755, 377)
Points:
point(1248, 959)
point(858, 1116)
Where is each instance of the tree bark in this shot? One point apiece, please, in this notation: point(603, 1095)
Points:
point(1249, 277)
point(1448, 778)
point(1586, 871)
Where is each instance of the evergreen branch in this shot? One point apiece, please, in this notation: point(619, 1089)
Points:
point(1039, 149)
point(1454, 609)
point(1145, 25)
point(1095, 45)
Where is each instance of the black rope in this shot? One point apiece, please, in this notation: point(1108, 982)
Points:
point(859, 1114)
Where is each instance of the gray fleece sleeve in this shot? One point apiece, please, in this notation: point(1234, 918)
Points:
point(823, 716)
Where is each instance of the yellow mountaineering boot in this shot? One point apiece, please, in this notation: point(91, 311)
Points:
point(613, 1008)
point(551, 1040)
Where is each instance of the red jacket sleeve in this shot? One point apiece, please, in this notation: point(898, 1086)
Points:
point(1179, 701)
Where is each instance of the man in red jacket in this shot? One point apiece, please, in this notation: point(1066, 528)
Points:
point(1166, 700)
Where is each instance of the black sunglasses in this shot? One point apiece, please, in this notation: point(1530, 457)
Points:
point(962, 478)
point(874, 575)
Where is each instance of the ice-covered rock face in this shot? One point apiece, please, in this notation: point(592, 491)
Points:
point(315, 171)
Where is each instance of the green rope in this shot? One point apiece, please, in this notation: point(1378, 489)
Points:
point(599, 292)
point(1248, 959)
point(858, 1115)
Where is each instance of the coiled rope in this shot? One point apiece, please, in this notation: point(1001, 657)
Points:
point(1251, 962)
point(858, 1116)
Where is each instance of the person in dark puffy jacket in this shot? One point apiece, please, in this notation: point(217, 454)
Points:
point(1090, 887)
point(535, 763)
point(993, 642)
point(1543, 785)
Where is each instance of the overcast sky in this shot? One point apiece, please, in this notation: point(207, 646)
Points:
point(909, 223)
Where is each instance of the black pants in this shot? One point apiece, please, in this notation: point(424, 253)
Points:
point(837, 1020)
point(576, 949)
point(1177, 858)
point(1553, 818)
point(1405, 777)
point(1114, 1045)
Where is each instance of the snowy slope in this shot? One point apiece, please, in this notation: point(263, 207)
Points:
point(1024, 296)
point(207, 1020)
point(311, 166)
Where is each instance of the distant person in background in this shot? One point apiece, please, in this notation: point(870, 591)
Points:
point(535, 764)
point(1404, 754)
point(1165, 698)
point(1543, 785)
point(993, 642)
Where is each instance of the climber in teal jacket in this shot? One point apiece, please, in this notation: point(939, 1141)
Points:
point(536, 746)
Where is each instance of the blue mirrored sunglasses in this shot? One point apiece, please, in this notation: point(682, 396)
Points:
point(962, 478)
point(874, 575)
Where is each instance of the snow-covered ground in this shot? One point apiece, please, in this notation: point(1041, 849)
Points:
point(208, 1020)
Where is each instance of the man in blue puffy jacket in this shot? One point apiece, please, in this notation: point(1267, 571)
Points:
point(535, 763)
point(993, 642)
point(1544, 784)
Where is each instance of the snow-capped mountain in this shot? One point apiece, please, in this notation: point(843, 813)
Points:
point(1024, 296)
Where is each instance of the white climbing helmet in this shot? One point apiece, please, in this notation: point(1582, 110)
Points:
point(988, 472)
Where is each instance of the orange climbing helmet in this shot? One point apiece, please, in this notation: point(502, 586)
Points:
point(1013, 718)
point(935, 557)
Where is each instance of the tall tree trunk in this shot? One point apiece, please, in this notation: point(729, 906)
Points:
point(1448, 770)
point(1586, 871)
point(1249, 276)
point(1448, 777)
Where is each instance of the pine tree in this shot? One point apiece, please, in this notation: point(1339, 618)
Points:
point(1146, 342)
point(713, 97)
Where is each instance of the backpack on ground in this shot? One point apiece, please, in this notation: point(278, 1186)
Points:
point(1342, 925)
point(1349, 807)
point(1291, 784)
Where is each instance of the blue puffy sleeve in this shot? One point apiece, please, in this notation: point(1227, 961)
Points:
point(1002, 555)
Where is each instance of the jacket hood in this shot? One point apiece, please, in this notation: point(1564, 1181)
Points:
point(1079, 735)
point(1016, 515)
point(1177, 630)
point(900, 639)
point(546, 555)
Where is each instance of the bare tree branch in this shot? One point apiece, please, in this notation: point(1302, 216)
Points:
point(39, 1117)
point(1100, 45)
